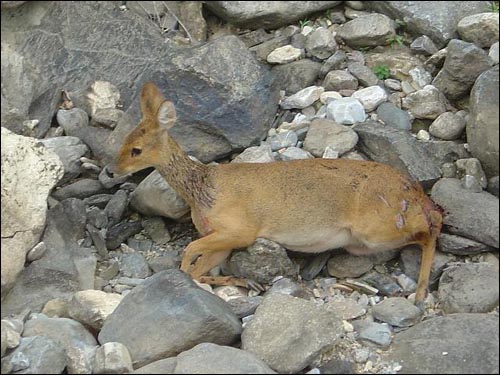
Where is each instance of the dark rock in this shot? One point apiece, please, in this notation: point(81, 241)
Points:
point(442, 152)
point(267, 15)
point(493, 186)
point(468, 214)
point(314, 266)
point(134, 265)
point(166, 315)
point(483, 122)
point(347, 265)
point(393, 116)
point(290, 288)
point(363, 74)
point(469, 288)
point(337, 61)
point(377, 333)
point(116, 207)
point(385, 284)
point(469, 341)
point(165, 262)
point(424, 45)
point(457, 245)
point(296, 75)
point(397, 311)
point(398, 149)
point(118, 233)
point(411, 258)
point(245, 306)
point(84, 188)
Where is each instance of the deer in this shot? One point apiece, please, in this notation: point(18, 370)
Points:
point(311, 205)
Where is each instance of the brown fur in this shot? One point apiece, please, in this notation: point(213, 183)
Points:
point(306, 205)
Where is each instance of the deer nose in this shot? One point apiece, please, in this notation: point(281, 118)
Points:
point(109, 169)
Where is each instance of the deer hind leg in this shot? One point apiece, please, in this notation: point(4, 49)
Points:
point(428, 250)
point(212, 250)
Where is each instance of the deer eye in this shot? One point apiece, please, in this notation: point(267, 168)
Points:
point(135, 152)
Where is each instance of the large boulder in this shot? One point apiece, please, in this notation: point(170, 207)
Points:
point(482, 125)
point(216, 87)
point(267, 14)
point(29, 172)
point(437, 20)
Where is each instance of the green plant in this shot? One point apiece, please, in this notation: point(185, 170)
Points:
point(395, 39)
point(363, 49)
point(382, 71)
point(400, 23)
point(304, 22)
point(494, 7)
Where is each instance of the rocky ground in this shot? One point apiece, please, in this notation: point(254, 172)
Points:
point(90, 279)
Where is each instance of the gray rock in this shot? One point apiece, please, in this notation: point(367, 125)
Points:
point(472, 167)
point(155, 197)
point(303, 98)
point(262, 262)
point(163, 366)
point(323, 133)
point(378, 333)
point(469, 341)
point(347, 265)
point(464, 63)
point(397, 311)
point(295, 153)
point(36, 252)
point(64, 269)
point(313, 267)
point(106, 117)
point(384, 283)
point(363, 74)
point(437, 21)
point(216, 359)
point(256, 154)
point(493, 53)
point(78, 343)
point(284, 55)
point(448, 126)
point(290, 288)
point(411, 258)
point(321, 43)
point(424, 45)
point(191, 15)
point(482, 125)
point(393, 116)
point(255, 37)
point(347, 309)
point(371, 97)
point(69, 150)
point(305, 331)
point(112, 358)
point(427, 103)
point(118, 234)
point(115, 209)
point(469, 288)
point(340, 80)
point(346, 111)
point(398, 149)
point(183, 315)
point(157, 230)
point(134, 265)
point(245, 306)
point(393, 84)
point(457, 245)
point(493, 186)
point(480, 29)
point(445, 151)
point(268, 16)
point(263, 50)
point(370, 30)
point(37, 355)
point(86, 187)
point(92, 307)
point(96, 218)
point(165, 262)
point(420, 77)
point(29, 172)
point(296, 75)
point(471, 215)
point(337, 61)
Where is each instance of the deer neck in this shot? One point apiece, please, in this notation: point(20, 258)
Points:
point(191, 180)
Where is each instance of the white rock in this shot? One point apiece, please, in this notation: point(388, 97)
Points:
point(371, 97)
point(112, 358)
point(92, 307)
point(228, 293)
point(303, 98)
point(295, 153)
point(29, 172)
point(328, 96)
point(481, 29)
point(330, 153)
point(423, 135)
point(420, 76)
point(255, 154)
point(101, 95)
point(346, 111)
point(285, 54)
point(493, 54)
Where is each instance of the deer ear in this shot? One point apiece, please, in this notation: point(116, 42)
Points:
point(166, 115)
point(151, 99)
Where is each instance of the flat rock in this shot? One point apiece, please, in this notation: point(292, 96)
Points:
point(215, 359)
point(398, 149)
point(323, 133)
point(457, 245)
point(284, 55)
point(183, 316)
point(347, 309)
point(288, 333)
point(367, 31)
point(84, 188)
point(393, 116)
point(397, 311)
point(255, 154)
point(458, 343)
point(163, 366)
point(303, 98)
point(378, 333)
point(155, 197)
point(469, 288)
point(471, 215)
point(29, 172)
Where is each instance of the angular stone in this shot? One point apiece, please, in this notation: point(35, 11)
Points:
point(184, 315)
point(367, 31)
point(363, 74)
point(84, 188)
point(321, 43)
point(296, 75)
point(427, 103)
point(457, 245)
point(480, 29)
point(393, 116)
point(303, 98)
point(92, 307)
point(324, 133)
point(337, 80)
point(468, 214)
point(377, 333)
point(285, 54)
point(424, 45)
point(371, 97)
point(255, 154)
point(112, 358)
point(397, 311)
point(469, 341)
point(293, 320)
point(398, 149)
point(295, 153)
